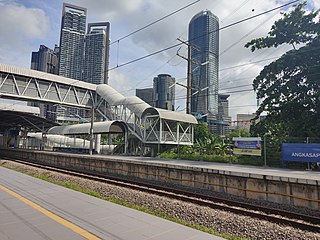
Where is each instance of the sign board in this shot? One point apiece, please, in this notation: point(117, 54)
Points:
point(301, 152)
point(247, 146)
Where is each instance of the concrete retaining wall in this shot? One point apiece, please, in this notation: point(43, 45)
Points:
point(274, 189)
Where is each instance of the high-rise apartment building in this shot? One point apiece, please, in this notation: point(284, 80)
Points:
point(164, 91)
point(97, 53)
point(72, 40)
point(146, 94)
point(45, 60)
point(204, 54)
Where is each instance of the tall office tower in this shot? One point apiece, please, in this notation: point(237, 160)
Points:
point(146, 94)
point(204, 54)
point(97, 53)
point(164, 91)
point(72, 37)
point(45, 60)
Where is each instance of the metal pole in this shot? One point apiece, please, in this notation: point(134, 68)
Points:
point(91, 130)
point(265, 150)
point(188, 110)
point(308, 162)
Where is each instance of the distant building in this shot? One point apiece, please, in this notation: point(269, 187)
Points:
point(72, 50)
point(146, 94)
point(97, 53)
point(223, 118)
point(45, 60)
point(204, 53)
point(244, 120)
point(72, 41)
point(164, 91)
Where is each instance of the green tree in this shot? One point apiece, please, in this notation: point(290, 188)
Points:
point(201, 131)
point(238, 132)
point(290, 86)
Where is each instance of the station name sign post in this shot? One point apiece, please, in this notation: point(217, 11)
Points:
point(300, 152)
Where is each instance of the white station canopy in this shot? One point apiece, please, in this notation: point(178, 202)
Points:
point(84, 128)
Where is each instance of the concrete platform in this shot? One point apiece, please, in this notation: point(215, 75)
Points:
point(289, 187)
point(34, 209)
point(277, 174)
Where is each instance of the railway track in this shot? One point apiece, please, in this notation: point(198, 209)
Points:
point(304, 222)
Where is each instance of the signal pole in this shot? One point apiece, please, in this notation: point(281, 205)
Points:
point(188, 59)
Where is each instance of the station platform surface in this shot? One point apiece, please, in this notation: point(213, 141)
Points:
point(33, 209)
point(300, 176)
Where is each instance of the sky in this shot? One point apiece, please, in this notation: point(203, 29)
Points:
point(27, 24)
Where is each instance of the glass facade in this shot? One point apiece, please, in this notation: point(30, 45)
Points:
point(204, 53)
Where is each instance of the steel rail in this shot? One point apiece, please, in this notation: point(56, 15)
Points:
point(301, 221)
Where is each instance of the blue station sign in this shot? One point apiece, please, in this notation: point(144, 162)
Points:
point(301, 152)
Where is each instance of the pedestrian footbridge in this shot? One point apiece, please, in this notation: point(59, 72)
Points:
point(145, 125)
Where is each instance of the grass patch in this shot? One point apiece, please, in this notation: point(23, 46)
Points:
point(124, 203)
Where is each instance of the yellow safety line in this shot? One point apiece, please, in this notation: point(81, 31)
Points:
point(51, 215)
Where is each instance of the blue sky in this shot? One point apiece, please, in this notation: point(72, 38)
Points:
point(25, 24)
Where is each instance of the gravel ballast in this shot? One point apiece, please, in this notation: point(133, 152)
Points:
point(219, 220)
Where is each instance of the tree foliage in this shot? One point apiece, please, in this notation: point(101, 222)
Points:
point(238, 132)
point(290, 86)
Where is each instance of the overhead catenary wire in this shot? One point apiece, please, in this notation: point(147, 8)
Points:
point(256, 15)
point(176, 45)
point(154, 22)
point(240, 6)
point(222, 28)
point(300, 52)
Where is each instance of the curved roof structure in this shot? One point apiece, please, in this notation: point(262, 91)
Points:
point(136, 105)
point(176, 116)
point(140, 107)
point(170, 115)
point(110, 95)
point(84, 128)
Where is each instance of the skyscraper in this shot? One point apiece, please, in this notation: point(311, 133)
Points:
point(97, 53)
point(164, 91)
point(72, 37)
point(204, 54)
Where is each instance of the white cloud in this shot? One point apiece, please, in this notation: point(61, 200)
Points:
point(19, 22)
point(109, 10)
point(121, 83)
point(315, 4)
point(19, 27)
